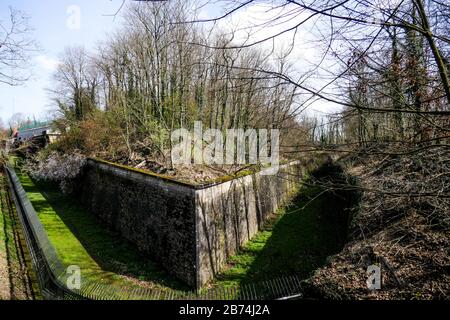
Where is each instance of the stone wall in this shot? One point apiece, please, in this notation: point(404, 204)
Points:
point(155, 214)
point(190, 230)
point(231, 213)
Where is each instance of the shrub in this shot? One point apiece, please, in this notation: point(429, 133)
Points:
point(63, 169)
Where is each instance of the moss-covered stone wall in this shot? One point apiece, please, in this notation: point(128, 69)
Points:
point(190, 230)
point(154, 214)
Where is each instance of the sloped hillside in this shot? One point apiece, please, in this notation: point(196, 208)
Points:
point(403, 225)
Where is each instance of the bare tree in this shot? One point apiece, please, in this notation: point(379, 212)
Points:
point(77, 83)
point(16, 48)
point(16, 120)
point(389, 69)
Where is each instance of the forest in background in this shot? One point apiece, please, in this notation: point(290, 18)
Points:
point(164, 71)
point(384, 65)
point(123, 101)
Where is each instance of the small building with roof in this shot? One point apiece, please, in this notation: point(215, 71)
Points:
point(34, 130)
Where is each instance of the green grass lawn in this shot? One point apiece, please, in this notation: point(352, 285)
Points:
point(80, 239)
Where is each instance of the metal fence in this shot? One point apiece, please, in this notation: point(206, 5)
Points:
point(52, 276)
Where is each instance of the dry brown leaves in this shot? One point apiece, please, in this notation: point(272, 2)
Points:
point(403, 226)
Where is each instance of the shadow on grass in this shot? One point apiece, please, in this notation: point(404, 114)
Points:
point(297, 241)
point(113, 254)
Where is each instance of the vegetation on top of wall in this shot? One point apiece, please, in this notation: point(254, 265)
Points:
point(145, 172)
point(246, 171)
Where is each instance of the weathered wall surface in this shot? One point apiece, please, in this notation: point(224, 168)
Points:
point(156, 215)
point(230, 214)
point(189, 230)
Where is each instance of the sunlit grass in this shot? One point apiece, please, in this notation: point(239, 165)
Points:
point(80, 239)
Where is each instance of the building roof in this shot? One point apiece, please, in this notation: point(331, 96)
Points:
point(30, 125)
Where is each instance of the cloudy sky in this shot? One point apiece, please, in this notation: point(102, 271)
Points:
point(55, 24)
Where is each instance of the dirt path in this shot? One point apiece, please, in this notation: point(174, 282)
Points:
point(15, 268)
